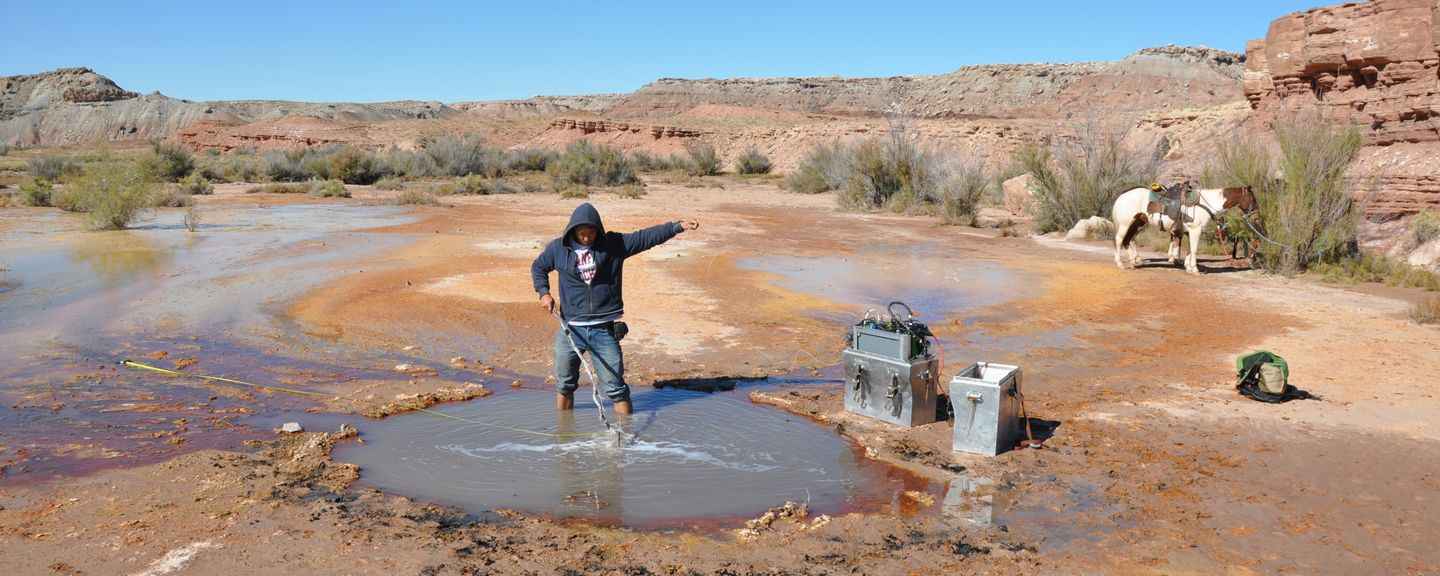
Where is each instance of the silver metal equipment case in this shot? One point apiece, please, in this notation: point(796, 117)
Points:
point(987, 408)
point(896, 391)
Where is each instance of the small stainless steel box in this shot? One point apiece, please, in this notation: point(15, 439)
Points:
point(987, 410)
point(896, 391)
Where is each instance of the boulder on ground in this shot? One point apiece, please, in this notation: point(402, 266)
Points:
point(1017, 194)
point(1096, 227)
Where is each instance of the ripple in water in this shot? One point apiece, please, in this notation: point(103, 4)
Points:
point(697, 456)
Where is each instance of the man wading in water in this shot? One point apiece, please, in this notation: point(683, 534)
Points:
point(589, 262)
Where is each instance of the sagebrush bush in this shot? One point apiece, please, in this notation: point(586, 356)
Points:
point(329, 189)
point(168, 161)
point(351, 165)
point(1074, 180)
point(961, 188)
point(111, 193)
point(51, 168)
point(1376, 268)
point(574, 191)
point(823, 169)
point(704, 161)
point(415, 197)
point(1424, 227)
point(173, 198)
point(192, 218)
point(475, 185)
point(4, 149)
point(286, 165)
point(530, 159)
point(196, 184)
point(389, 183)
point(281, 188)
point(465, 155)
point(36, 192)
point(590, 164)
point(1426, 311)
point(632, 191)
point(752, 161)
point(646, 162)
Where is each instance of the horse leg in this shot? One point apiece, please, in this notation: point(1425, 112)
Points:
point(1192, 264)
point(1119, 246)
point(1173, 252)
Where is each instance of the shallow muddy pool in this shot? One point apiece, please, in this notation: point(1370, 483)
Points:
point(75, 303)
point(697, 458)
point(928, 280)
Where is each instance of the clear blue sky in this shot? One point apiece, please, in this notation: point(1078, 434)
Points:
point(363, 51)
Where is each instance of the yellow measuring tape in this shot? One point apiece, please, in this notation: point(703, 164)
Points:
point(308, 393)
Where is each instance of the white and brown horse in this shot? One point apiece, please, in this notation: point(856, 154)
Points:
point(1134, 209)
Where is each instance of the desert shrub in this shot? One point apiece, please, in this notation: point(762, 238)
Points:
point(465, 155)
point(823, 169)
point(280, 188)
point(647, 162)
point(172, 198)
point(590, 164)
point(1426, 311)
point(475, 185)
point(891, 171)
point(329, 189)
point(196, 184)
point(572, 190)
point(237, 167)
point(1312, 214)
point(51, 168)
point(961, 187)
point(632, 191)
point(389, 183)
point(4, 149)
point(752, 161)
point(1375, 268)
point(286, 165)
point(704, 160)
point(36, 192)
point(168, 162)
point(1424, 227)
point(192, 218)
point(351, 165)
point(111, 193)
point(414, 197)
point(1075, 180)
point(530, 159)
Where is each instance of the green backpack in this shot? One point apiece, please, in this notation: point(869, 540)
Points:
point(1265, 376)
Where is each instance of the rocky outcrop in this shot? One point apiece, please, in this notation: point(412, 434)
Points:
point(1375, 65)
point(1149, 79)
point(77, 106)
point(652, 138)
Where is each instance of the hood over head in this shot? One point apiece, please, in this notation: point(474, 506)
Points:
point(584, 214)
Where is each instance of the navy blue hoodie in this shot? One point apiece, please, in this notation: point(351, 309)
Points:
point(601, 298)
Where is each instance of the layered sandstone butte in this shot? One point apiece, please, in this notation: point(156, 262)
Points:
point(1375, 64)
point(1154, 78)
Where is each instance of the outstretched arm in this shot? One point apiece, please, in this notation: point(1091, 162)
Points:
point(645, 239)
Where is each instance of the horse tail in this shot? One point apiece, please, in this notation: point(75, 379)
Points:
point(1136, 224)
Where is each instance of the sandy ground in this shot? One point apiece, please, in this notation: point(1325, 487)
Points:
point(1156, 465)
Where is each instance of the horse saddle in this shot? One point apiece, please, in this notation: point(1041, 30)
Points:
point(1169, 200)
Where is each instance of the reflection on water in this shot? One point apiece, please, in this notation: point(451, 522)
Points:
point(972, 500)
point(697, 456)
point(116, 257)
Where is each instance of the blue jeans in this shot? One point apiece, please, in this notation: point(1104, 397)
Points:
point(605, 358)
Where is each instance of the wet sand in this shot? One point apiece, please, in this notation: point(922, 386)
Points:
point(1155, 464)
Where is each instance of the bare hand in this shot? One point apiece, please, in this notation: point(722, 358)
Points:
point(547, 303)
point(689, 224)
